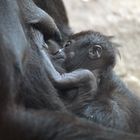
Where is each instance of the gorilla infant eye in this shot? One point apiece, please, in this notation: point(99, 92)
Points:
point(68, 43)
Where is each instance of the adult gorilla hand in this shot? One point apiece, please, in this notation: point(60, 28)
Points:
point(40, 20)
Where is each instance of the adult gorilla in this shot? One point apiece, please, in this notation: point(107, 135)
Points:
point(22, 71)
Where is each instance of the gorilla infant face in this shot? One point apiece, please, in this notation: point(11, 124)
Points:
point(88, 50)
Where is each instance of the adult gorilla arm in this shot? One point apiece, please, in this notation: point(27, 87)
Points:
point(38, 125)
point(42, 21)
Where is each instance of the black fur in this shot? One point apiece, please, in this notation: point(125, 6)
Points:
point(23, 75)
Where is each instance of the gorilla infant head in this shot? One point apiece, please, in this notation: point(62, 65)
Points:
point(90, 50)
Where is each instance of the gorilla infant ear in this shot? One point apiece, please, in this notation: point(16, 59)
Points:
point(95, 51)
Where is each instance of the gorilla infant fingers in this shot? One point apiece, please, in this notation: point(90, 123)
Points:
point(113, 104)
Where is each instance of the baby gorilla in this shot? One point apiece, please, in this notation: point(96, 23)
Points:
point(82, 52)
point(111, 103)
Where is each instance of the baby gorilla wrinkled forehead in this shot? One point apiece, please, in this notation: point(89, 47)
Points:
point(90, 50)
